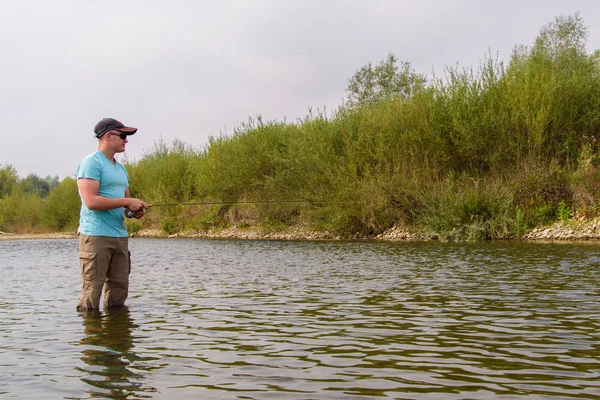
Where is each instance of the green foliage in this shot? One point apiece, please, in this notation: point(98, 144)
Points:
point(61, 207)
point(164, 175)
point(468, 209)
point(8, 179)
point(563, 211)
point(208, 221)
point(585, 183)
point(370, 85)
point(543, 214)
point(244, 225)
point(33, 184)
point(521, 223)
point(20, 211)
point(133, 226)
point(235, 168)
point(565, 37)
point(169, 226)
point(554, 86)
point(539, 189)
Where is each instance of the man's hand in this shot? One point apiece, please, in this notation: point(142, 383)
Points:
point(139, 213)
point(136, 205)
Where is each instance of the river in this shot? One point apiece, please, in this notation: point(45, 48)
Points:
point(225, 319)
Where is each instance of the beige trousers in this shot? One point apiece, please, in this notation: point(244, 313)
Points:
point(104, 264)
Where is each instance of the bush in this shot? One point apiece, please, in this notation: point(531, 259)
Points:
point(20, 212)
point(62, 206)
point(133, 226)
point(169, 226)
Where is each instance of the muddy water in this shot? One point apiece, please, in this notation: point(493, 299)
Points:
point(306, 320)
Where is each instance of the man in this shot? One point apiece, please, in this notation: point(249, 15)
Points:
point(103, 184)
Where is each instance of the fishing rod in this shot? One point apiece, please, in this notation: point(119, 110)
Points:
point(247, 202)
point(130, 214)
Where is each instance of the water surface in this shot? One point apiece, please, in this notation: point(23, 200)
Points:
point(306, 320)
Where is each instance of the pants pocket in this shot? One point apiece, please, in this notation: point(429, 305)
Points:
point(87, 265)
point(129, 259)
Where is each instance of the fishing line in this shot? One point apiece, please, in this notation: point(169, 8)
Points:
point(248, 202)
point(130, 214)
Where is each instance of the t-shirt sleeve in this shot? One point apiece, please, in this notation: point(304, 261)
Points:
point(89, 169)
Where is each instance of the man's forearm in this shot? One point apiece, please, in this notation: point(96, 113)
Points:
point(101, 203)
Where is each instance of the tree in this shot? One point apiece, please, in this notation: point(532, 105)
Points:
point(566, 36)
point(33, 184)
point(371, 85)
point(8, 179)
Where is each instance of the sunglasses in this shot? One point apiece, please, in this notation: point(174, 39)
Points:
point(123, 136)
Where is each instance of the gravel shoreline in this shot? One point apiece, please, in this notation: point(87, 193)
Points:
point(573, 230)
point(33, 236)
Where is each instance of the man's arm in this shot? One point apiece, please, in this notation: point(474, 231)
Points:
point(89, 189)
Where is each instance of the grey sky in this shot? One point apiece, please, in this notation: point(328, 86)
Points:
point(187, 70)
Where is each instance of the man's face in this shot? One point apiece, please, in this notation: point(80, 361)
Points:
point(117, 140)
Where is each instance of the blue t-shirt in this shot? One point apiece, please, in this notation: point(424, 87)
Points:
point(114, 181)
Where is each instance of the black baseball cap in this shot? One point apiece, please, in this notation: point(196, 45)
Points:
point(111, 124)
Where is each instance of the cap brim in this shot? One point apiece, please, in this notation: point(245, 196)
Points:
point(126, 129)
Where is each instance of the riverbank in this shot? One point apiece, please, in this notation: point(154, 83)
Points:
point(573, 230)
point(31, 236)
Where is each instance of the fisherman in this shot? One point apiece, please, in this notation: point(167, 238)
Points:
point(103, 184)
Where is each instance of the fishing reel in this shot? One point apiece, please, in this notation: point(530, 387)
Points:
point(129, 213)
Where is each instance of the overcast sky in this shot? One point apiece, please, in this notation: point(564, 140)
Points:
point(187, 70)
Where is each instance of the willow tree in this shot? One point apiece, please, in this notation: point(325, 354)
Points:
point(372, 84)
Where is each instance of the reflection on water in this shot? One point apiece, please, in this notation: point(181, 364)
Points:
point(301, 320)
point(107, 351)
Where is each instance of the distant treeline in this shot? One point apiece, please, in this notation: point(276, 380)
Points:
point(475, 154)
point(35, 204)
